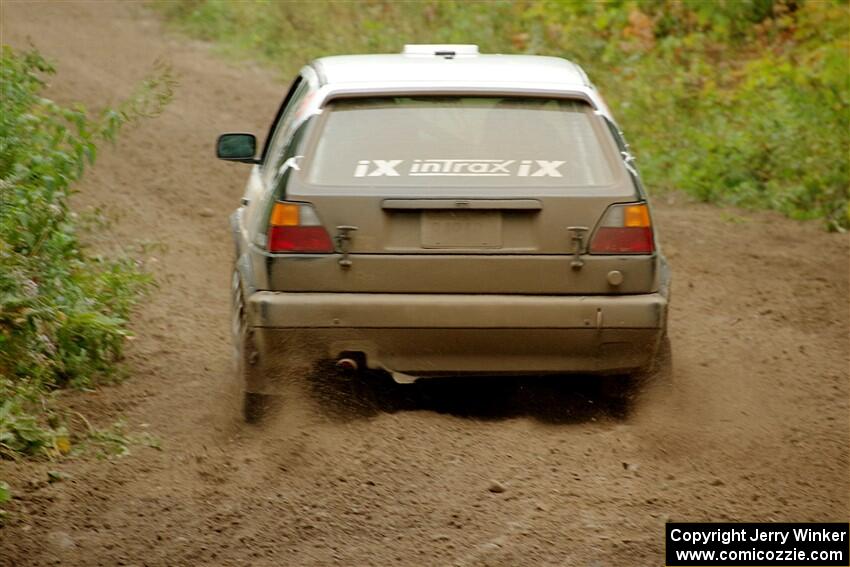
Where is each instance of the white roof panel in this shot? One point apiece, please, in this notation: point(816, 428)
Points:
point(523, 70)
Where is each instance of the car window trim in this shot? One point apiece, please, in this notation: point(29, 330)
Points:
point(280, 112)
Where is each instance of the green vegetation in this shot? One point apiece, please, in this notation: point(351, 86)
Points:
point(745, 102)
point(63, 310)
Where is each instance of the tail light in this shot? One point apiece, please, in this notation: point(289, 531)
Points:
point(295, 227)
point(625, 229)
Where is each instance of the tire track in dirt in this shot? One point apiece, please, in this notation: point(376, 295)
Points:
point(755, 428)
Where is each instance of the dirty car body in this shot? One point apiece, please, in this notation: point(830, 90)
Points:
point(442, 212)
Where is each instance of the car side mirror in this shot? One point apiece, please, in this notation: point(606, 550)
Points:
point(237, 147)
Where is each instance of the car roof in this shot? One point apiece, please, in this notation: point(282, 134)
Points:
point(447, 64)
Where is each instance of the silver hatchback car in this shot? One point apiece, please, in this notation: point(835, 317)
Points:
point(442, 212)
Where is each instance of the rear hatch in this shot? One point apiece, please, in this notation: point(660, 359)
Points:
point(460, 195)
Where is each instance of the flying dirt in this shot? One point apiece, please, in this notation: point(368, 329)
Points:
point(502, 471)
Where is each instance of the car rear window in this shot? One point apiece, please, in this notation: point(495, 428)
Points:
point(460, 141)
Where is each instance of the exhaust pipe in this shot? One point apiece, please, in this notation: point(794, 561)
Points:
point(347, 365)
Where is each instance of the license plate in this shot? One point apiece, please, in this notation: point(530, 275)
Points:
point(461, 229)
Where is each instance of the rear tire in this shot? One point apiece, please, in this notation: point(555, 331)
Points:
point(254, 405)
point(660, 372)
point(616, 386)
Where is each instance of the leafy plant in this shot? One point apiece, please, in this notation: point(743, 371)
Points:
point(63, 312)
point(5, 496)
point(116, 441)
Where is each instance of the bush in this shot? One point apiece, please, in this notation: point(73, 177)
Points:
point(740, 101)
point(63, 311)
point(745, 103)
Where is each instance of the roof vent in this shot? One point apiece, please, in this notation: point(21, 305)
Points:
point(449, 51)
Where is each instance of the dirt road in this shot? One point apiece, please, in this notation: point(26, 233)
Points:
point(755, 429)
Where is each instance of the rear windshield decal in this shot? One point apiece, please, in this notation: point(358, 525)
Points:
point(457, 168)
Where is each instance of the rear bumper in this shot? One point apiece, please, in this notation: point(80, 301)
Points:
point(428, 334)
point(449, 311)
